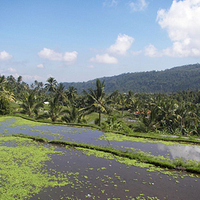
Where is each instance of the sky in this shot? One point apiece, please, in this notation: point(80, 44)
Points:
point(76, 40)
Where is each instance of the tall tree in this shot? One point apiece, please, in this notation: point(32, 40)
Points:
point(56, 109)
point(72, 115)
point(60, 93)
point(96, 100)
point(71, 94)
point(30, 103)
point(19, 79)
point(51, 85)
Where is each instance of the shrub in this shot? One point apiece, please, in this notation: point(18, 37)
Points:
point(5, 106)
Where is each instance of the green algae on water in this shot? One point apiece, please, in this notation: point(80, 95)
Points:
point(22, 169)
point(132, 162)
point(120, 138)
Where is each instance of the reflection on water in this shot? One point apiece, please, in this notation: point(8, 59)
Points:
point(90, 136)
point(188, 152)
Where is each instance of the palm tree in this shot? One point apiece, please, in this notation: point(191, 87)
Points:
point(72, 115)
point(19, 79)
point(96, 100)
point(186, 116)
point(2, 83)
point(55, 108)
point(71, 94)
point(60, 93)
point(30, 103)
point(113, 98)
point(51, 85)
point(118, 101)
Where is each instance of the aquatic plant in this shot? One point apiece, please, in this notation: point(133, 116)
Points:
point(23, 171)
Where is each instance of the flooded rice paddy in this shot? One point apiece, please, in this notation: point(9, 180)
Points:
point(41, 171)
point(95, 137)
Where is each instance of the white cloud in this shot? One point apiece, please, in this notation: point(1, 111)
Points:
point(70, 56)
point(25, 77)
point(29, 78)
point(40, 66)
point(122, 44)
point(183, 26)
point(151, 51)
point(11, 70)
point(5, 56)
point(50, 54)
point(138, 5)
point(105, 58)
point(110, 3)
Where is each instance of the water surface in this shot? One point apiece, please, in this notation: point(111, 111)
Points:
point(90, 136)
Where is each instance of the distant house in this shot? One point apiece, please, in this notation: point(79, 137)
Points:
point(138, 112)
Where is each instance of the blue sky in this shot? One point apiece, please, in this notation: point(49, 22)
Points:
point(82, 40)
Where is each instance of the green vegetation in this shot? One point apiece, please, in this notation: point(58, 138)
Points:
point(23, 173)
point(176, 113)
point(167, 81)
point(96, 101)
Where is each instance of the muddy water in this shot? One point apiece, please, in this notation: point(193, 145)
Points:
point(89, 136)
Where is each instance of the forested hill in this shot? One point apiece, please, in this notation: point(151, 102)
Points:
point(167, 81)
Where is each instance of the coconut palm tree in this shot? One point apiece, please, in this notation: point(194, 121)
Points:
point(56, 109)
point(19, 79)
point(51, 85)
point(72, 115)
point(71, 94)
point(118, 101)
point(60, 93)
point(96, 100)
point(30, 103)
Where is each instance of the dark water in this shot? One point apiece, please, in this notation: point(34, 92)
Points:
point(110, 179)
point(90, 136)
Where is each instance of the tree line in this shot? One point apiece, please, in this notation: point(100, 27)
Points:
point(175, 113)
point(166, 81)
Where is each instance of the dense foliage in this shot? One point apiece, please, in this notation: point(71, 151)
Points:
point(167, 81)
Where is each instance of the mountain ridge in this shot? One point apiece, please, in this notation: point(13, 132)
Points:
point(165, 81)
